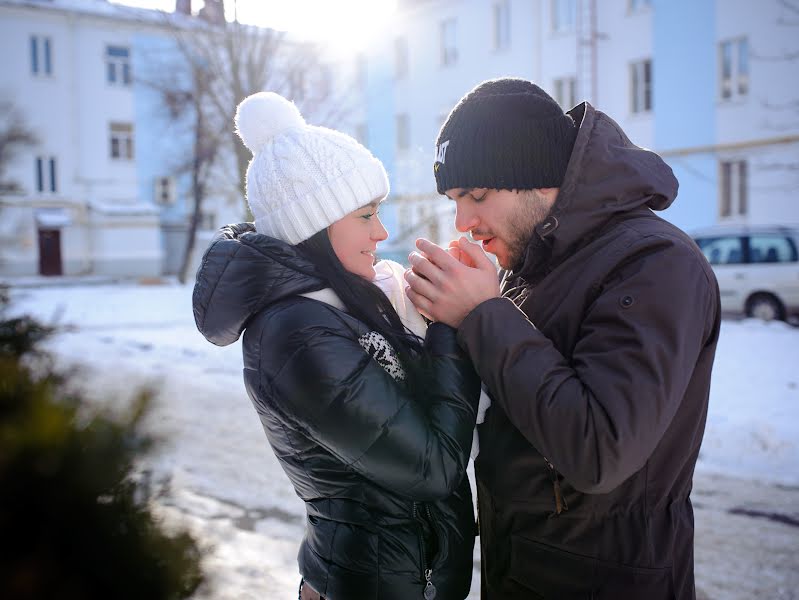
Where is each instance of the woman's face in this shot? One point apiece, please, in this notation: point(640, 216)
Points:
point(354, 239)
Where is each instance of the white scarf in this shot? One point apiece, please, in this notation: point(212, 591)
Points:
point(390, 279)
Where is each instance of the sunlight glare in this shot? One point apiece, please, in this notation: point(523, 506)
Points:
point(345, 26)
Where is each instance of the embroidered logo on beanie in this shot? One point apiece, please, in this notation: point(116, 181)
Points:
point(441, 155)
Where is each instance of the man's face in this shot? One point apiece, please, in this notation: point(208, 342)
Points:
point(503, 220)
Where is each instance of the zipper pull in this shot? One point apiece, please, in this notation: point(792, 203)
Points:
point(560, 500)
point(429, 588)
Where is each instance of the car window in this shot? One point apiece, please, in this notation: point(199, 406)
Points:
point(726, 250)
point(765, 248)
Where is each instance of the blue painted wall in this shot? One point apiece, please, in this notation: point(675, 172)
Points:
point(684, 68)
point(380, 111)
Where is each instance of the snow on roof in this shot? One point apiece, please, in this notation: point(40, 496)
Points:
point(99, 8)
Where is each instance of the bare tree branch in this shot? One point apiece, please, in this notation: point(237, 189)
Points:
point(14, 136)
point(213, 67)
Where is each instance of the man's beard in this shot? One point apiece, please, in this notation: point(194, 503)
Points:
point(531, 210)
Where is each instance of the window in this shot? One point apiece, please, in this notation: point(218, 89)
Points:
point(400, 58)
point(641, 86)
point(403, 132)
point(638, 5)
point(734, 69)
point(734, 185)
point(121, 135)
point(565, 92)
point(117, 65)
point(46, 177)
point(563, 14)
point(726, 250)
point(765, 248)
point(449, 48)
point(41, 56)
point(165, 190)
point(501, 25)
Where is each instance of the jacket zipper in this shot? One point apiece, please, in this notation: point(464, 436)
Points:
point(429, 589)
point(560, 500)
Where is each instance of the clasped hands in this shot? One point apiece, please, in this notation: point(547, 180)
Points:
point(446, 285)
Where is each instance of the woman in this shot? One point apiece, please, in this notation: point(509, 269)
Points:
point(372, 424)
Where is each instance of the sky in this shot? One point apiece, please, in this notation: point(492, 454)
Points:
point(343, 24)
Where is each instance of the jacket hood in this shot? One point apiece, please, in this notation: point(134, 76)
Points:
point(607, 175)
point(241, 273)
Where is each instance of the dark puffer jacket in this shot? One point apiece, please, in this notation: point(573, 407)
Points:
point(598, 359)
point(382, 472)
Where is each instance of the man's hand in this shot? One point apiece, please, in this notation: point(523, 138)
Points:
point(454, 251)
point(443, 287)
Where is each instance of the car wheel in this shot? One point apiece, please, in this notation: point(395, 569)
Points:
point(765, 307)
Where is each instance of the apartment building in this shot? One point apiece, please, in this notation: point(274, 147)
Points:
point(709, 84)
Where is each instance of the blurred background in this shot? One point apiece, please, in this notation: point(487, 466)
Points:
point(118, 162)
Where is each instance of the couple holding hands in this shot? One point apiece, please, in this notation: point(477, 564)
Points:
point(577, 375)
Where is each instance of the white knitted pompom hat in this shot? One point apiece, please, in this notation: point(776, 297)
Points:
point(302, 178)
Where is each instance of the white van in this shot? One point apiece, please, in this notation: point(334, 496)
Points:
point(757, 267)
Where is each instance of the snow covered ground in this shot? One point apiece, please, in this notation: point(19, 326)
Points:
point(215, 472)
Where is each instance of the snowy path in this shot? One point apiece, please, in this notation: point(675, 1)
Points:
point(216, 473)
point(747, 539)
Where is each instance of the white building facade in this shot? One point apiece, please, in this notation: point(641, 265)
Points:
point(106, 190)
point(711, 85)
point(77, 209)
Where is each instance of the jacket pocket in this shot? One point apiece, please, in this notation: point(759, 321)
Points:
point(557, 574)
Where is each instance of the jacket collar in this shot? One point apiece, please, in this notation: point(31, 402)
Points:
point(607, 175)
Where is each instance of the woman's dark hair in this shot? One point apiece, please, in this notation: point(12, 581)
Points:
point(363, 299)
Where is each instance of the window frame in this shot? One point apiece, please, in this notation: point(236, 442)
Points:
point(557, 23)
point(118, 71)
point(641, 94)
point(121, 136)
point(41, 55)
point(45, 174)
point(401, 58)
point(733, 82)
point(563, 88)
point(448, 47)
point(733, 188)
point(500, 10)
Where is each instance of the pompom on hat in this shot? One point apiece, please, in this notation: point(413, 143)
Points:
point(302, 178)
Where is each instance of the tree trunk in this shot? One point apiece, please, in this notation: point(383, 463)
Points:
point(198, 195)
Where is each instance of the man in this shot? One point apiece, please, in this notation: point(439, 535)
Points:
point(596, 348)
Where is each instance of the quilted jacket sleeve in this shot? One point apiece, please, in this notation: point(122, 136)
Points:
point(330, 388)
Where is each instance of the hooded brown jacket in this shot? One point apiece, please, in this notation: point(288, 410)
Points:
point(598, 359)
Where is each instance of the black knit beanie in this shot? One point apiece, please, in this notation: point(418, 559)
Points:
point(505, 134)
